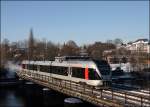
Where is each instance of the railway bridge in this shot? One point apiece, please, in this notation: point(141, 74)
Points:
point(99, 97)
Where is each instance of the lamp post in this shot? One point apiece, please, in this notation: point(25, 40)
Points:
point(46, 49)
point(148, 84)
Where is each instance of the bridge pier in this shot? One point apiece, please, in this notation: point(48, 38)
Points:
point(73, 102)
point(52, 98)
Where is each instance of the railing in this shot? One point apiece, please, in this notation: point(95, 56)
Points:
point(88, 93)
point(130, 98)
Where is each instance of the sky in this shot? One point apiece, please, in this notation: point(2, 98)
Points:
point(82, 21)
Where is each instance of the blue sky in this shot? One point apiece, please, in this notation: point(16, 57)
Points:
point(82, 21)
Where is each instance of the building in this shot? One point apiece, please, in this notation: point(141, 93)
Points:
point(123, 56)
point(140, 45)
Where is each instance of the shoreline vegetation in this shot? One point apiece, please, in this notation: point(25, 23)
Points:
point(114, 51)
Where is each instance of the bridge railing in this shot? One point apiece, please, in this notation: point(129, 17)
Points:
point(108, 95)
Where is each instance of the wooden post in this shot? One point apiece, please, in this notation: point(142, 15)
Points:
point(48, 79)
point(83, 88)
point(93, 91)
point(60, 83)
point(52, 80)
point(65, 83)
point(141, 102)
point(101, 93)
point(125, 98)
point(70, 84)
point(112, 94)
point(76, 87)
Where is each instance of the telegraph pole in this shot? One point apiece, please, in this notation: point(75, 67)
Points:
point(45, 49)
point(149, 51)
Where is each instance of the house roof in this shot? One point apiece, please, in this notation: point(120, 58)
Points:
point(145, 40)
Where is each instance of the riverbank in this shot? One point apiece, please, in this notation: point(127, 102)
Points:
point(137, 79)
point(8, 78)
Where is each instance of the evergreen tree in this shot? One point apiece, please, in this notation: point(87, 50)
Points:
point(31, 46)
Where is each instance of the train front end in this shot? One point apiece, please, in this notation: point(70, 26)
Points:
point(104, 71)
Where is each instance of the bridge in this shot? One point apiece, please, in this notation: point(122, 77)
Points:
point(106, 97)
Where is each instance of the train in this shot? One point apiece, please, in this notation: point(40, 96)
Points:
point(82, 70)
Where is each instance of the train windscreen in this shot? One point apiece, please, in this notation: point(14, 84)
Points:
point(103, 67)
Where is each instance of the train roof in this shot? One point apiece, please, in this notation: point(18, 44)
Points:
point(68, 58)
point(58, 63)
point(72, 61)
point(65, 61)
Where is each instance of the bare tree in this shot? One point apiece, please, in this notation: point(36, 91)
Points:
point(70, 48)
point(5, 51)
point(96, 50)
point(118, 41)
point(52, 50)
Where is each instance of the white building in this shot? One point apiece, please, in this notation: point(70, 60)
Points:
point(140, 45)
point(126, 67)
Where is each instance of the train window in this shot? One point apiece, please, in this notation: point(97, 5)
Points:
point(50, 69)
point(103, 67)
point(44, 68)
point(63, 71)
point(93, 74)
point(59, 70)
point(53, 69)
point(23, 66)
point(78, 72)
point(29, 66)
point(26, 66)
point(34, 67)
point(104, 70)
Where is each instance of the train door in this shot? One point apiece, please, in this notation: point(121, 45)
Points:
point(69, 71)
point(50, 69)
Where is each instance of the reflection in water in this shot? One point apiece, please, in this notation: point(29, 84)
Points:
point(25, 97)
point(31, 96)
point(9, 98)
